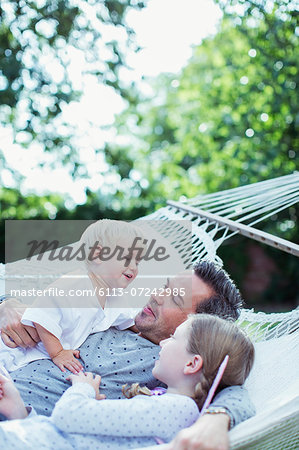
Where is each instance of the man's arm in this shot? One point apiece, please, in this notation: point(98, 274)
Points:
point(210, 432)
point(13, 332)
point(236, 401)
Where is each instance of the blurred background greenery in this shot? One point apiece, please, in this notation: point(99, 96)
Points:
point(228, 118)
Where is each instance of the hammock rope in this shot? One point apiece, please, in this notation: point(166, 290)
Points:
point(224, 214)
point(257, 198)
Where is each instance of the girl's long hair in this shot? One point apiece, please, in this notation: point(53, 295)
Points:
point(135, 389)
point(213, 338)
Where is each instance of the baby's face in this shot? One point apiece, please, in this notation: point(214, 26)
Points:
point(120, 270)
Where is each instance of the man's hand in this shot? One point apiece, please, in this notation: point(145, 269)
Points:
point(13, 332)
point(11, 403)
point(88, 378)
point(210, 432)
point(67, 359)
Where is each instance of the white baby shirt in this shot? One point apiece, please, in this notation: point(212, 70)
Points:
point(70, 316)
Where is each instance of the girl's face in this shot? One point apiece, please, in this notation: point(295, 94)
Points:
point(173, 357)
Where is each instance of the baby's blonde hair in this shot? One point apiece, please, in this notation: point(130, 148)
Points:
point(213, 338)
point(109, 233)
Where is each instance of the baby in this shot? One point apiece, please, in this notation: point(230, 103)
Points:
point(63, 322)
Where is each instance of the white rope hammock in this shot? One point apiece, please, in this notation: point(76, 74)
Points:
point(219, 216)
point(273, 387)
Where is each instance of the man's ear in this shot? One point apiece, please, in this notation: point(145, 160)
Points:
point(193, 365)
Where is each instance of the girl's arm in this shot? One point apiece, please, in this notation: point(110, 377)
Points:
point(62, 358)
point(79, 412)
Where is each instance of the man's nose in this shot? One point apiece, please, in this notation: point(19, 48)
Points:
point(159, 299)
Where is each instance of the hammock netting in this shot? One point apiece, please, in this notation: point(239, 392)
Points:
point(273, 384)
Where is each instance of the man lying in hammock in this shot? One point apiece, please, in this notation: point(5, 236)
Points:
point(127, 356)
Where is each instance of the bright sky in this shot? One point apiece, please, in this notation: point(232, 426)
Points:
point(166, 29)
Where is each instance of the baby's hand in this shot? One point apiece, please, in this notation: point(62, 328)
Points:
point(67, 359)
point(88, 378)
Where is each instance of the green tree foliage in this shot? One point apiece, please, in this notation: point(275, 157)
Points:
point(37, 39)
point(231, 117)
point(16, 206)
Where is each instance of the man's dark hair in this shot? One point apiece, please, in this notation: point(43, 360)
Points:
point(226, 301)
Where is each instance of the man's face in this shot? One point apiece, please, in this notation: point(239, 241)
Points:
point(164, 313)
